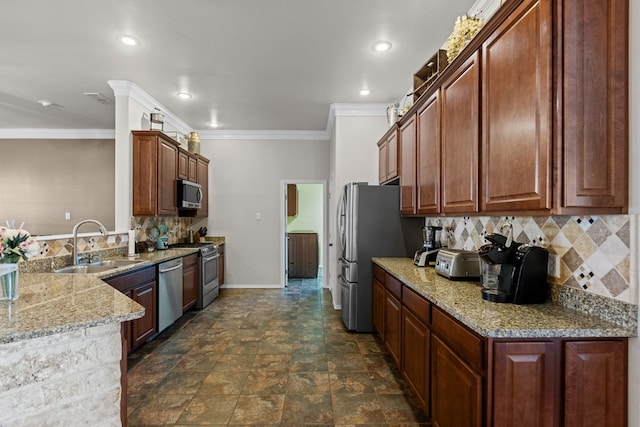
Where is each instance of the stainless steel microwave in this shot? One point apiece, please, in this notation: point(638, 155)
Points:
point(189, 194)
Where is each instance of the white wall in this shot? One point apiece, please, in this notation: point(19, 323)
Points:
point(245, 180)
point(354, 157)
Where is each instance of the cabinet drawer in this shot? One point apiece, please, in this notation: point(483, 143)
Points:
point(378, 273)
point(127, 281)
point(420, 307)
point(394, 286)
point(465, 343)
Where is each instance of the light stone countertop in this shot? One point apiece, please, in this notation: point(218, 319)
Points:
point(463, 301)
point(51, 303)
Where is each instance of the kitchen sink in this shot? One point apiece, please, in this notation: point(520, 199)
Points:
point(84, 269)
point(114, 263)
point(98, 266)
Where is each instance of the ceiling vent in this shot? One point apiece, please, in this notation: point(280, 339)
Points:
point(99, 98)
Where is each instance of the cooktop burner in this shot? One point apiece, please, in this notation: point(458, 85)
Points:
point(205, 248)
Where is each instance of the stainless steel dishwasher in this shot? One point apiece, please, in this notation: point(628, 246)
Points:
point(169, 293)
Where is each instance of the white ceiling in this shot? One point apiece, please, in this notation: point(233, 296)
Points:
point(250, 64)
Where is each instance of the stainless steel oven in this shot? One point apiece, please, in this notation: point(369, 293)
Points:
point(208, 286)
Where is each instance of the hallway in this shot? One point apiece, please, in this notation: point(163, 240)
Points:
point(267, 357)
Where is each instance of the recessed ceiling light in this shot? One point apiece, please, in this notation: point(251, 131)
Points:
point(364, 92)
point(381, 46)
point(128, 40)
point(214, 124)
point(184, 95)
point(45, 103)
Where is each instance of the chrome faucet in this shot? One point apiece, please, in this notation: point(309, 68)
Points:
point(74, 253)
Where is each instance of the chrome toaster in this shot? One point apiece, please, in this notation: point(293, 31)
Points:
point(458, 264)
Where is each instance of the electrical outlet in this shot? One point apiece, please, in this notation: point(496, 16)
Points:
point(553, 266)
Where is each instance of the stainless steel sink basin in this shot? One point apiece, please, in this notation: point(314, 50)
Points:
point(114, 263)
point(98, 266)
point(84, 269)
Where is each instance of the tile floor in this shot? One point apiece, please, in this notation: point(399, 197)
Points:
point(269, 358)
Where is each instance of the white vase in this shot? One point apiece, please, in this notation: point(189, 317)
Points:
point(9, 282)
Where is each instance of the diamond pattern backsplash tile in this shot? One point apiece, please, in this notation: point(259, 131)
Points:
point(595, 251)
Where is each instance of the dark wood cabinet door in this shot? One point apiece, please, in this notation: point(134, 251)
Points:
point(408, 167)
point(526, 384)
point(392, 156)
point(460, 138)
point(392, 325)
point(203, 180)
point(190, 281)
point(382, 161)
point(167, 176)
point(183, 164)
point(221, 265)
point(428, 157)
point(144, 327)
point(516, 113)
point(292, 200)
point(378, 297)
point(595, 383)
point(192, 169)
point(593, 124)
point(456, 390)
point(416, 358)
point(303, 255)
point(145, 174)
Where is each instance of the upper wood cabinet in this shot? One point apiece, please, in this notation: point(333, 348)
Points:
point(407, 151)
point(388, 156)
point(187, 165)
point(202, 178)
point(155, 170)
point(516, 111)
point(592, 118)
point(428, 156)
point(292, 200)
point(460, 138)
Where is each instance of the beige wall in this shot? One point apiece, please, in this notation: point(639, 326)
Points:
point(310, 214)
point(41, 179)
point(245, 179)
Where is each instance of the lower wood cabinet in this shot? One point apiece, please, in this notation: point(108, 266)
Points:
point(463, 379)
point(141, 287)
point(525, 384)
point(190, 281)
point(416, 358)
point(595, 377)
point(221, 264)
point(303, 255)
point(456, 389)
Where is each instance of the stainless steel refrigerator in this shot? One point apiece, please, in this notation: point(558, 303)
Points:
point(369, 225)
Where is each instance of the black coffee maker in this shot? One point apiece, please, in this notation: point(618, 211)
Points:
point(523, 271)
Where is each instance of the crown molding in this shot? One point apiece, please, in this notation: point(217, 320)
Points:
point(135, 92)
point(57, 134)
point(302, 135)
point(126, 88)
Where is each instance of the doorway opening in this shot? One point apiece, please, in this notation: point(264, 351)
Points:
point(303, 230)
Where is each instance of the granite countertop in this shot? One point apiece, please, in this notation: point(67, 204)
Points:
point(463, 301)
point(51, 303)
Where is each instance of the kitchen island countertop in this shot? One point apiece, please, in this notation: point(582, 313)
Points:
point(463, 301)
point(51, 303)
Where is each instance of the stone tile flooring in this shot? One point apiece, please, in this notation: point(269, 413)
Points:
point(268, 357)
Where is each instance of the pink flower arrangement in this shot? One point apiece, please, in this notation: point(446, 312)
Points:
point(16, 244)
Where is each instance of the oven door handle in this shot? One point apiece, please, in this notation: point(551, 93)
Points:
point(210, 258)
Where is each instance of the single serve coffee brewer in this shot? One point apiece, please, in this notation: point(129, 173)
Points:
point(513, 272)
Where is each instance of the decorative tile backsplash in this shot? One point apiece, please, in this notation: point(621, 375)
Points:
point(178, 232)
point(595, 251)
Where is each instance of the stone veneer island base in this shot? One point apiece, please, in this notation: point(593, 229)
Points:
point(61, 352)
